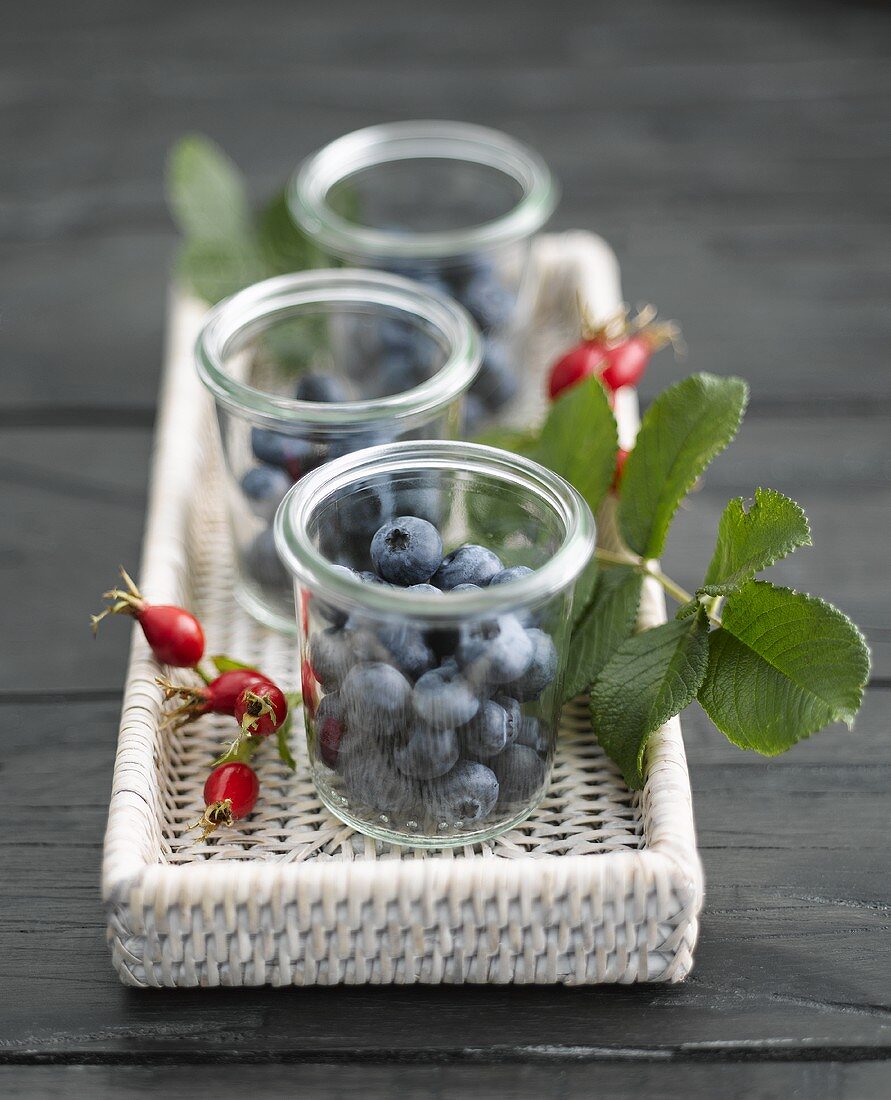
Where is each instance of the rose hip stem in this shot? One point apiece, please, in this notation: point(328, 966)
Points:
point(174, 634)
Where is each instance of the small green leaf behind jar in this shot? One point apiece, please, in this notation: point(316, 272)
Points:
point(606, 622)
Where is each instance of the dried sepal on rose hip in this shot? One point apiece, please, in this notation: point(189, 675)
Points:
point(230, 793)
point(217, 697)
point(617, 350)
point(174, 634)
point(260, 709)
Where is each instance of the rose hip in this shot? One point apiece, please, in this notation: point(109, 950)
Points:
point(261, 709)
point(230, 793)
point(580, 362)
point(174, 634)
point(621, 456)
point(217, 697)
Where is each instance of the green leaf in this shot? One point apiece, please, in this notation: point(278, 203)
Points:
point(749, 541)
point(519, 442)
point(607, 621)
point(226, 664)
point(782, 666)
point(206, 192)
point(650, 678)
point(283, 244)
point(579, 440)
point(284, 730)
point(583, 593)
point(216, 269)
point(681, 432)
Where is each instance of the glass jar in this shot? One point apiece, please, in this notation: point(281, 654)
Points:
point(308, 367)
point(449, 204)
point(431, 711)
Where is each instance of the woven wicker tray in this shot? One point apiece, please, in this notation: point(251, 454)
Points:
point(598, 885)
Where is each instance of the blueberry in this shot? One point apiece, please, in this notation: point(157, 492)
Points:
point(262, 563)
point(406, 550)
point(331, 657)
point(329, 726)
point(427, 753)
point(395, 334)
point(469, 564)
point(405, 647)
point(520, 772)
point(396, 372)
point(426, 589)
point(322, 388)
point(533, 735)
point(466, 794)
point(495, 651)
point(443, 698)
point(485, 734)
point(541, 670)
point(511, 708)
point(488, 301)
point(263, 488)
point(293, 455)
point(371, 779)
point(496, 384)
point(376, 697)
point(424, 501)
point(367, 577)
point(358, 441)
point(466, 588)
point(512, 574)
point(367, 511)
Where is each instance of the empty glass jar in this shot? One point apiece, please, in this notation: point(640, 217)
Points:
point(306, 368)
point(449, 204)
point(433, 650)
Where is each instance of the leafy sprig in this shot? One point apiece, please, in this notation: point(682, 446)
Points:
point(226, 245)
point(769, 665)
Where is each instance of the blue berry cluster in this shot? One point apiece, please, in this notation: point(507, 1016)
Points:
point(427, 726)
point(475, 282)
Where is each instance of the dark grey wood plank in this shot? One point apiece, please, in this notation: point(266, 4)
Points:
point(792, 958)
point(817, 1080)
point(737, 162)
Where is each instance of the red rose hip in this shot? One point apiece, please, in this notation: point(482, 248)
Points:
point(260, 709)
point(174, 634)
point(230, 793)
point(217, 697)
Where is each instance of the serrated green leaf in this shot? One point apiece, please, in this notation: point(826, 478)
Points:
point(206, 192)
point(650, 678)
point(751, 540)
point(216, 269)
point(608, 619)
point(782, 666)
point(681, 432)
point(226, 664)
point(283, 244)
point(579, 440)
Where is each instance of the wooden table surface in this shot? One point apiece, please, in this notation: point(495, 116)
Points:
point(738, 158)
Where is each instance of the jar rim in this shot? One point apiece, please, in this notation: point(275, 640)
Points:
point(311, 184)
point(273, 299)
point(311, 568)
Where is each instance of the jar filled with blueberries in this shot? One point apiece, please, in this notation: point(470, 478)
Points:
point(451, 205)
point(433, 649)
point(309, 367)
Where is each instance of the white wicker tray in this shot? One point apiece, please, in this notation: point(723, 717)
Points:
point(599, 885)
